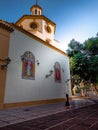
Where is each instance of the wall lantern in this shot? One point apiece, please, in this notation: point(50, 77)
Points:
point(5, 61)
point(50, 73)
point(38, 62)
point(67, 80)
point(62, 69)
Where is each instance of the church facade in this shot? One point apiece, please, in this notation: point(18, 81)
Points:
point(33, 67)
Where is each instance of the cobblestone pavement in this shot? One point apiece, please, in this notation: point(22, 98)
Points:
point(82, 115)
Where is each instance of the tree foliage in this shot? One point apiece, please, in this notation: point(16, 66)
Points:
point(92, 45)
point(84, 58)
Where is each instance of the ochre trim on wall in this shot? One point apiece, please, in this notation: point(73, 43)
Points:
point(4, 50)
point(32, 103)
point(35, 17)
point(38, 39)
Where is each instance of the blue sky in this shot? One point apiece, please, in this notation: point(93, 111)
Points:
point(76, 19)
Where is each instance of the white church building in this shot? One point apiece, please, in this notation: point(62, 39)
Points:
point(33, 67)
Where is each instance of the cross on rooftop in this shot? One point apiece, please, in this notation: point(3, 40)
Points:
point(36, 2)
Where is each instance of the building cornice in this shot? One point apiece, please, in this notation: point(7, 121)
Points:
point(35, 17)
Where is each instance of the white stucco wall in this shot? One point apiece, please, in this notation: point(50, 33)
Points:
point(20, 90)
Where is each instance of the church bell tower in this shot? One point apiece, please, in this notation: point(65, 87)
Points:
point(37, 24)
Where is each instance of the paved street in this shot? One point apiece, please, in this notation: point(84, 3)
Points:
point(82, 115)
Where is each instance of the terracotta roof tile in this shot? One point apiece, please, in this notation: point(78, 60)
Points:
point(5, 25)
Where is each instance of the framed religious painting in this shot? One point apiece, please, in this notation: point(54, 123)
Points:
point(57, 72)
point(28, 65)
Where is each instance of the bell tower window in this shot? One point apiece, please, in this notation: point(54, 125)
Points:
point(35, 11)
